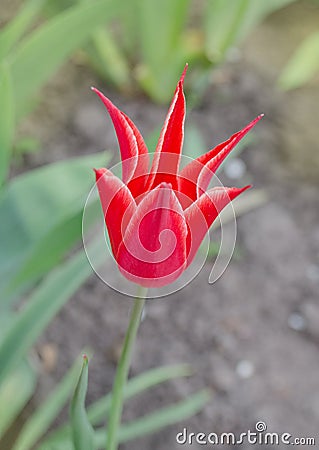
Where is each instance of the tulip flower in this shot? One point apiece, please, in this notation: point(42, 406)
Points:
point(156, 219)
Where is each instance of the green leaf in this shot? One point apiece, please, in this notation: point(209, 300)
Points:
point(129, 26)
point(43, 305)
point(257, 12)
point(167, 39)
point(12, 32)
point(162, 418)
point(47, 252)
point(303, 65)
point(61, 35)
point(227, 22)
point(145, 425)
point(47, 412)
point(15, 392)
point(223, 19)
point(41, 218)
point(171, 15)
point(108, 59)
point(6, 120)
point(82, 431)
point(99, 410)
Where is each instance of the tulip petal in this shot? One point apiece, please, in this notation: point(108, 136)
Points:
point(133, 150)
point(116, 201)
point(202, 213)
point(169, 147)
point(153, 251)
point(195, 177)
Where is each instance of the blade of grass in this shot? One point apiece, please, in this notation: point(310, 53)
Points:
point(222, 22)
point(100, 409)
point(82, 431)
point(144, 425)
point(162, 418)
point(141, 383)
point(108, 59)
point(171, 15)
point(40, 421)
point(129, 28)
point(227, 23)
point(257, 12)
point(167, 39)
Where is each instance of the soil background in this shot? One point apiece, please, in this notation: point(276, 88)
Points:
point(253, 336)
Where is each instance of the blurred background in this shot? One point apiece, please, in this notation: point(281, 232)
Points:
point(253, 336)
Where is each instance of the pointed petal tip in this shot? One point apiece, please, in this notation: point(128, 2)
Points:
point(245, 188)
point(232, 192)
point(181, 80)
point(99, 172)
point(255, 121)
point(236, 192)
point(258, 118)
point(94, 89)
point(107, 102)
point(251, 125)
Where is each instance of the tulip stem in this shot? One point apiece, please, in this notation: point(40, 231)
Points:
point(123, 370)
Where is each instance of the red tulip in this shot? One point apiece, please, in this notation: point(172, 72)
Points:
point(157, 219)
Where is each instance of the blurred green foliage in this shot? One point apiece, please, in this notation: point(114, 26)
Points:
point(133, 44)
point(30, 55)
point(82, 430)
point(147, 44)
point(303, 64)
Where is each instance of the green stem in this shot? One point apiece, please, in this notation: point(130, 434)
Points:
point(122, 371)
